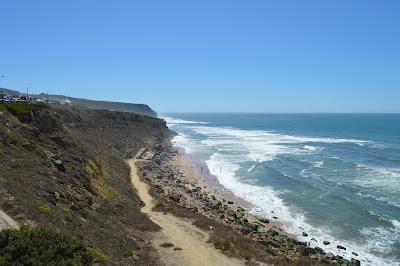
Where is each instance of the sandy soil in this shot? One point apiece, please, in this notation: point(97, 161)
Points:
point(190, 245)
point(6, 222)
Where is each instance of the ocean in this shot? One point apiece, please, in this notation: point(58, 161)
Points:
point(334, 176)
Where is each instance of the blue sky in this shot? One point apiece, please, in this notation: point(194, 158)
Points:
point(209, 55)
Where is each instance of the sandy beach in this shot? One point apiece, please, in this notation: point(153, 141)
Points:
point(179, 242)
point(175, 181)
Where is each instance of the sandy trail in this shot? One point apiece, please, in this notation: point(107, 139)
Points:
point(180, 232)
point(6, 222)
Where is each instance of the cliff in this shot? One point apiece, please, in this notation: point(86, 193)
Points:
point(107, 105)
point(64, 168)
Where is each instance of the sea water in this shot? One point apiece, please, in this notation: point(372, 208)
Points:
point(334, 176)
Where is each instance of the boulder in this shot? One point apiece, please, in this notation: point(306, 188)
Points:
point(73, 207)
point(340, 247)
point(272, 232)
point(326, 242)
point(304, 234)
point(355, 262)
point(330, 256)
point(59, 164)
point(175, 197)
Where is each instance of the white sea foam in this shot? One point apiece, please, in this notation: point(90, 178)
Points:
point(319, 164)
point(230, 147)
point(263, 145)
point(187, 144)
point(267, 200)
point(251, 168)
point(176, 121)
point(384, 179)
point(311, 148)
point(388, 237)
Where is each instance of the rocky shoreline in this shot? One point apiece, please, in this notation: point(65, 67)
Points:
point(173, 177)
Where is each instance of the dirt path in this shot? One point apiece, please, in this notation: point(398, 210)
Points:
point(180, 232)
point(6, 222)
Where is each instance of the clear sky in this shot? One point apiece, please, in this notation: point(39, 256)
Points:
point(208, 55)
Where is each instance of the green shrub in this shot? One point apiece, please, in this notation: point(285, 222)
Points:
point(126, 251)
point(9, 138)
point(43, 208)
point(44, 246)
point(22, 108)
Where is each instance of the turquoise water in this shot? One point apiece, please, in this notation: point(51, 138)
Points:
point(334, 176)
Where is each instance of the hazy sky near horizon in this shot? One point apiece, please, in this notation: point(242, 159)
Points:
point(209, 55)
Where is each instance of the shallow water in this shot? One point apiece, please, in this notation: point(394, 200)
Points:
point(334, 176)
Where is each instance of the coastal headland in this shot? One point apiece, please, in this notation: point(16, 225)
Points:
point(114, 184)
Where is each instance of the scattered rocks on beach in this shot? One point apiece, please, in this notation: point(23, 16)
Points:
point(161, 172)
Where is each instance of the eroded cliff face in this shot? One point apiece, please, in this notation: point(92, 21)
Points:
point(65, 168)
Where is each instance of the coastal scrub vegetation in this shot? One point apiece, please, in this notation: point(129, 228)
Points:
point(65, 168)
point(22, 108)
point(45, 246)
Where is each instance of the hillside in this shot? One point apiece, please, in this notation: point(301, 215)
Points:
point(65, 169)
point(57, 100)
point(7, 91)
point(106, 105)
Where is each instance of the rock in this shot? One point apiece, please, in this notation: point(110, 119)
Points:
point(273, 243)
point(304, 234)
point(340, 247)
point(319, 250)
point(313, 256)
point(263, 220)
point(231, 218)
point(330, 256)
point(272, 232)
point(211, 227)
point(73, 207)
point(355, 262)
point(175, 197)
point(304, 250)
point(230, 202)
point(275, 217)
point(254, 227)
point(326, 242)
point(59, 164)
point(313, 239)
point(245, 229)
point(56, 195)
point(355, 254)
point(159, 188)
point(52, 200)
point(59, 141)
